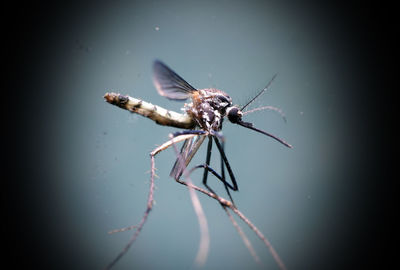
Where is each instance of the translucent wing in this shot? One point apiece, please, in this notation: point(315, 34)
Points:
point(188, 150)
point(169, 84)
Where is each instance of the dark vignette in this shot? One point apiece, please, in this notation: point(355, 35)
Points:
point(32, 26)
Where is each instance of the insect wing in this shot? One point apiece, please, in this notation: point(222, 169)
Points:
point(188, 150)
point(169, 84)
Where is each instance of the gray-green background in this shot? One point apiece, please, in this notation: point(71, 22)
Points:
point(83, 165)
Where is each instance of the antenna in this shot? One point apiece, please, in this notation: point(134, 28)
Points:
point(259, 94)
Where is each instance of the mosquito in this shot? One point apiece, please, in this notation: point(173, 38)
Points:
point(202, 119)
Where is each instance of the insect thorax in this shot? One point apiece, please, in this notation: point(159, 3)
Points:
point(209, 108)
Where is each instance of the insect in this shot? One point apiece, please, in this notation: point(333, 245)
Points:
point(208, 108)
point(202, 119)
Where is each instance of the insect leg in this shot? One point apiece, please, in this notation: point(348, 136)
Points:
point(211, 170)
point(228, 167)
point(186, 132)
point(150, 198)
point(226, 185)
point(222, 162)
point(206, 166)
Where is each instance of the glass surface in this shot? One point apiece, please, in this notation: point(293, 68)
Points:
point(92, 174)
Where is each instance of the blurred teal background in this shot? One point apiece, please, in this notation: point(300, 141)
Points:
point(85, 164)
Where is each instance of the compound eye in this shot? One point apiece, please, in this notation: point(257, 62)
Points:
point(234, 115)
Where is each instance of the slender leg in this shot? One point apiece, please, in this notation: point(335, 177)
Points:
point(186, 132)
point(209, 169)
point(205, 175)
point(223, 172)
point(228, 167)
point(222, 162)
